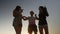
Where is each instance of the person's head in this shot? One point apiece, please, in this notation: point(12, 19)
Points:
point(31, 13)
point(40, 9)
point(18, 8)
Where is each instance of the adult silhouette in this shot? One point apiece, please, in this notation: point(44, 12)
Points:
point(32, 25)
point(42, 20)
point(17, 22)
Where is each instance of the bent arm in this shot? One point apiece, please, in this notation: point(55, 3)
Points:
point(36, 17)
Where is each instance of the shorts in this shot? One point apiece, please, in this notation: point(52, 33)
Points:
point(32, 28)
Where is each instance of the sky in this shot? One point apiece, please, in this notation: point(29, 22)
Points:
point(6, 14)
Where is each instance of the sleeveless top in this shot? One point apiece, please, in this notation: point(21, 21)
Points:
point(17, 19)
point(42, 19)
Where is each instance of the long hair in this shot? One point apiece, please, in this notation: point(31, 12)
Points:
point(45, 11)
point(17, 8)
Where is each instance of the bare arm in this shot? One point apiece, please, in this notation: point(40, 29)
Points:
point(36, 17)
point(25, 18)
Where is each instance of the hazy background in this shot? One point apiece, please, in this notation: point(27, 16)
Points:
point(6, 14)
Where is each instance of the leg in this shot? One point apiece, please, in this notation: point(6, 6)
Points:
point(35, 32)
point(29, 29)
point(17, 29)
point(30, 32)
point(35, 29)
point(20, 28)
point(41, 29)
point(46, 29)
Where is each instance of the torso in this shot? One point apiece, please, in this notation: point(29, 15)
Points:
point(18, 19)
point(42, 20)
point(31, 20)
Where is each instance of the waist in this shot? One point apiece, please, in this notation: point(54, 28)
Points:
point(31, 23)
point(16, 20)
point(42, 23)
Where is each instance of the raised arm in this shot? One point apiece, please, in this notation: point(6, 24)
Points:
point(36, 17)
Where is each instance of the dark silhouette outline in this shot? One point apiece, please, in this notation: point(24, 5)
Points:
point(32, 26)
point(42, 20)
point(17, 22)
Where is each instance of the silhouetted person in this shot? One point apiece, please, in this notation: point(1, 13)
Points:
point(17, 22)
point(32, 26)
point(42, 20)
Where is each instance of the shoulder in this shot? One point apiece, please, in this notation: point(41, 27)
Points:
point(14, 11)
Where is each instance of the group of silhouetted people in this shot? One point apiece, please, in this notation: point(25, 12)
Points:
point(32, 27)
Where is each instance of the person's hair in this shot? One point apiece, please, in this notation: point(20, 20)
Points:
point(31, 12)
point(40, 7)
point(17, 8)
point(45, 11)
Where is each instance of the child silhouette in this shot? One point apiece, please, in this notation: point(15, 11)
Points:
point(32, 26)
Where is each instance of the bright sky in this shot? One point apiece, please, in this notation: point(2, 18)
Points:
point(6, 16)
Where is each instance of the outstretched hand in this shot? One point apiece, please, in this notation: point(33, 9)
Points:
point(24, 17)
